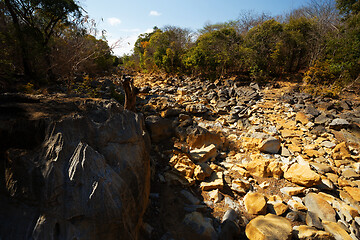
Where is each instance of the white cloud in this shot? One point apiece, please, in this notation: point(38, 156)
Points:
point(154, 13)
point(149, 30)
point(129, 30)
point(114, 21)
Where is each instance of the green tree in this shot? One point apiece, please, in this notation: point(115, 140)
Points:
point(265, 42)
point(298, 42)
point(216, 52)
point(162, 49)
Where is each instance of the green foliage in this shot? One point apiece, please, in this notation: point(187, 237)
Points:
point(162, 49)
point(215, 52)
point(348, 7)
point(266, 42)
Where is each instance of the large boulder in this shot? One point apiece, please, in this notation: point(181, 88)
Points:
point(269, 227)
point(302, 175)
point(74, 169)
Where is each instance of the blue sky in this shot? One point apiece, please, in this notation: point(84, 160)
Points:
point(124, 20)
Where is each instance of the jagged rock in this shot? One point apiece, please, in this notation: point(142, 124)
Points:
point(199, 227)
point(346, 212)
point(255, 203)
point(215, 195)
point(321, 168)
point(303, 118)
point(341, 152)
point(277, 208)
point(320, 207)
point(322, 119)
point(230, 227)
point(304, 232)
point(198, 137)
point(313, 220)
point(196, 108)
point(258, 166)
point(203, 154)
point(183, 164)
point(312, 111)
point(353, 192)
point(338, 124)
point(275, 169)
point(296, 205)
point(202, 171)
point(350, 174)
point(270, 145)
point(302, 175)
point(160, 129)
point(214, 182)
point(336, 230)
point(240, 186)
point(88, 170)
point(285, 152)
point(328, 144)
point(269, 227)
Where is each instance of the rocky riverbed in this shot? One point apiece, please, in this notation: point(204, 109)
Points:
point(227, 159)
point(233, 160)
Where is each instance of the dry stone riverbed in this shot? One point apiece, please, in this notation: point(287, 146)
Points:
point(233, 160)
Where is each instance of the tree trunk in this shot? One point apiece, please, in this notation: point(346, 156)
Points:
point(130, 93)
point(25, 57)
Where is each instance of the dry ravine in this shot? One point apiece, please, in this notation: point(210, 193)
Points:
point(233, 160)
point(197, 159)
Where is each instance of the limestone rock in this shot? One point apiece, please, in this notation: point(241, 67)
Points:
point(270, 145)
point(275, 169)
point(296, 205)
point(353, 192)
point(160, 128)
point(240, 186)
point(292, 191)
point(341, 152)
point(277, 208)
point(183, 164)
point(87, 170)
point(302, 175)
point(203, 154)
point(269, 227)
point(258, 167)
point(214, 182)
point(202, 171)
point(338, 124)
point(197, 137)
point(216, 195)
point(303, 118)
point(317, 205)
point(255, 203)
point(304, 232)
point(196, 108)
point(199, 226)
point(336, 230)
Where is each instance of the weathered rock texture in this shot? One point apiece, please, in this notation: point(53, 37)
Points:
point(72, 168)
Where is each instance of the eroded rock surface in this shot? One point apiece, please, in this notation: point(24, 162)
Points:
point(73, 169)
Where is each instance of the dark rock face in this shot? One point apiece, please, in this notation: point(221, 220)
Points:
point(80, 171)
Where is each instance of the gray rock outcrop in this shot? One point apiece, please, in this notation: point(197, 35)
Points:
point(73, 169)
